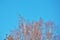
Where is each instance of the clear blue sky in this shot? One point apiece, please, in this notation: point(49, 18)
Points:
point(29, 9)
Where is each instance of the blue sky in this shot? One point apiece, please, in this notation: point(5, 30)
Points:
point(30, 10)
